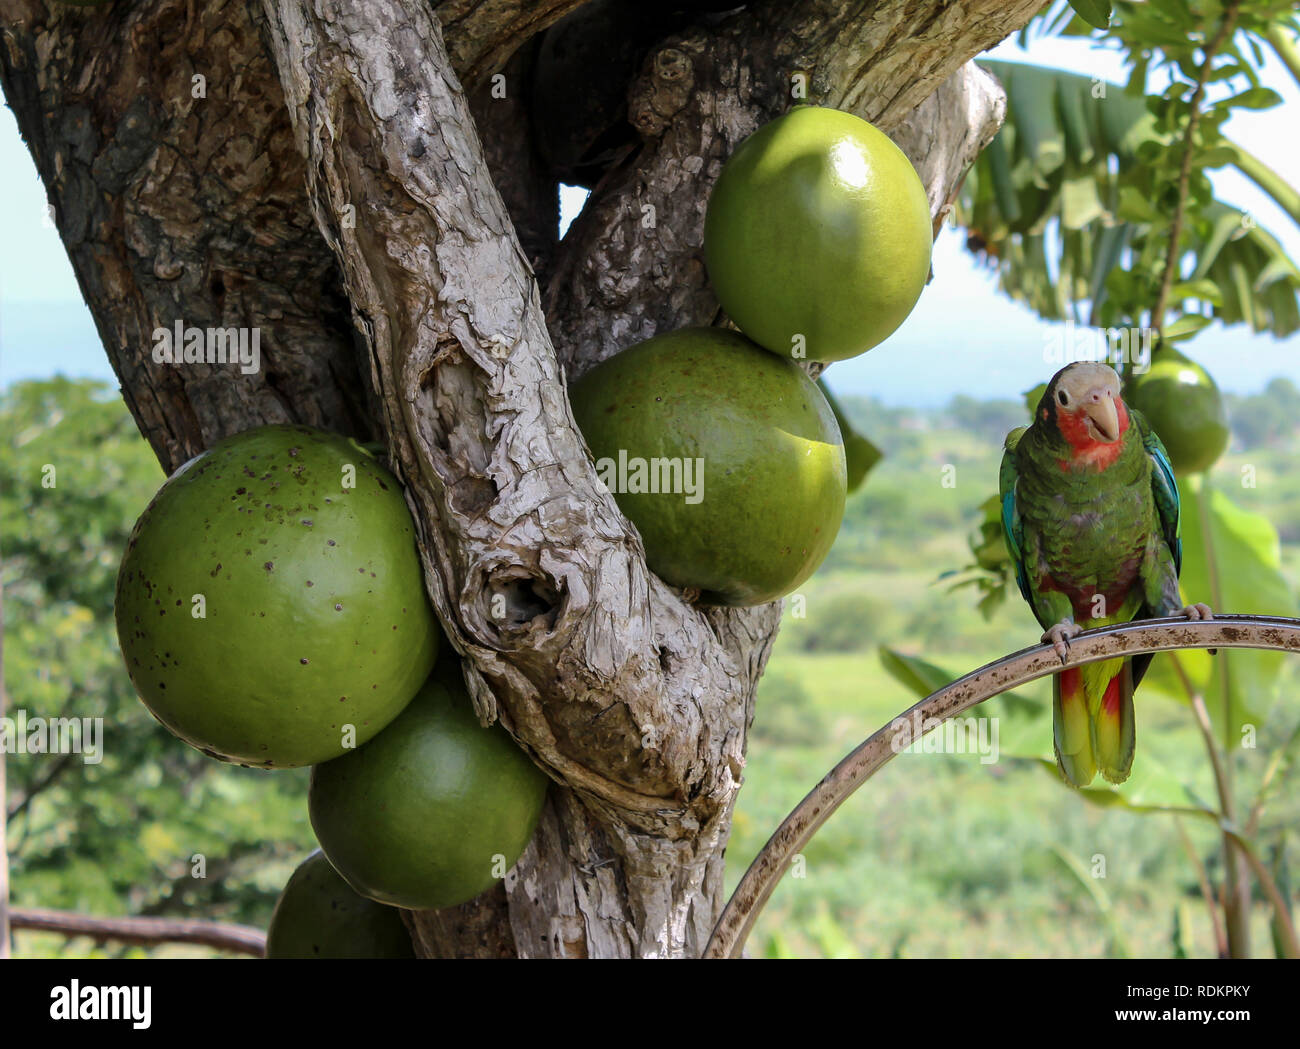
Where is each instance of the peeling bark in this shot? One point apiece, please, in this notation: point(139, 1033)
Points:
point(628, 696)
point(338, 188)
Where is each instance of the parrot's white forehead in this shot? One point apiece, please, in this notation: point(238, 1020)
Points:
point(1079, 380)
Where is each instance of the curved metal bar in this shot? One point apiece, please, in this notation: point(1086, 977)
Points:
point(1092, 646)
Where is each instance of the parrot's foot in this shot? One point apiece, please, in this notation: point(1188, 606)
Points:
point(1059, 637)
point(1200, 610)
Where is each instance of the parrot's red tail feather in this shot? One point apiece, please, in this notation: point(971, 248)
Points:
point(1113, 730)
point(1072, 728)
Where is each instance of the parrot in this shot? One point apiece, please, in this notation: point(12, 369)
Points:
point(1090, 510)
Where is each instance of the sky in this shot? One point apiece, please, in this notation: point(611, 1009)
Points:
point(962, 337)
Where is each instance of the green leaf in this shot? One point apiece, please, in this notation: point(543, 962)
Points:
point(1255, 98)
point(1215, 157)
point(1135, 207)
point(1039, 136)
point(859, 453)
point(1205, 290)
point(1151, 788)
point(1100, 898)
point(1095, 12)
point(914, 673)
point(1032, 397)
point(1080, 204)
point(1186, 326)
point(1247, 579)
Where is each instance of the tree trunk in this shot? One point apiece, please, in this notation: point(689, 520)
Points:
point(376, 202)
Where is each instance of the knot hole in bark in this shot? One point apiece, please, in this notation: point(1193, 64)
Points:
point(517, 599)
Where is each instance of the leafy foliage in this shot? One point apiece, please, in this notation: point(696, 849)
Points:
point(121, 835)
point(1072, 204)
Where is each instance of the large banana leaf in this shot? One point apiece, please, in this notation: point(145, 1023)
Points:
point(1056, 199)
point(1247, 578)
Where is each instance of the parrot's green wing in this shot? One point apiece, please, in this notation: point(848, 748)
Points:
point(1164, 486)
point(1012, 528)
point(1164, 489)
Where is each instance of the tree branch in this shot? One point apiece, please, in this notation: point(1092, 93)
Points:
point(1092, 646)
point(240, 939)
point(481, 35)
point(1185, 169)
point(52, 773)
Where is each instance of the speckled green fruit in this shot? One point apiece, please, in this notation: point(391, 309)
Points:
point(433, 810)
point(298, 549)
point(817, 236)
point(1183, 405)
point(771, 455)
point(319, 915)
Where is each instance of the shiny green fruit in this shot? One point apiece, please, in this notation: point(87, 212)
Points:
point(432, 811)
point(726, 458)
point(270, 604)
point(318, 915)
point(1183, 405)
point(817, 236)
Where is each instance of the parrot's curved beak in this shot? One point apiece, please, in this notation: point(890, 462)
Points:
point(1103, 415)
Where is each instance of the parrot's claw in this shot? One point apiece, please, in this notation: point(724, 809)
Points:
point(1059, 638)
point(1200, 610)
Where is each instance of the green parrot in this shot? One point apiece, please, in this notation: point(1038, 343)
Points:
point(1090, 514)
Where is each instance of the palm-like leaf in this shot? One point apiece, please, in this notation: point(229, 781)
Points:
point(1059, 198)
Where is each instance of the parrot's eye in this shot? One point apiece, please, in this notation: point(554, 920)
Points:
point(1061, 396)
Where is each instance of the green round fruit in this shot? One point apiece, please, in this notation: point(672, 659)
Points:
point(318, 915)
point(1183, 405)
point(271, 595)
point(818, 227)
point(744, 444)
point(433, 810)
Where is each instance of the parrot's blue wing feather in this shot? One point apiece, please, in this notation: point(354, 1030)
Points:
point(1012, 528)
point(1164, 486)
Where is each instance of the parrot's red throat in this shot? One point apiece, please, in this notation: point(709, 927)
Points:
point(1086, 446)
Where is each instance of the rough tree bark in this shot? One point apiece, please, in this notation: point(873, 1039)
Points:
point(343, 185)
